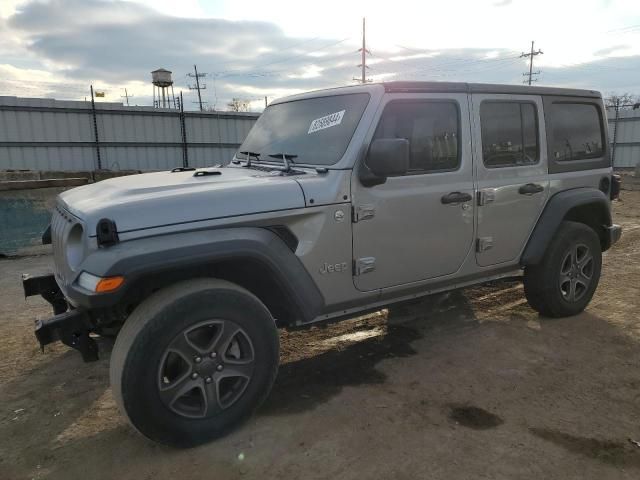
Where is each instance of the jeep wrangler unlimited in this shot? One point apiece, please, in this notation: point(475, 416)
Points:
point(338, 202)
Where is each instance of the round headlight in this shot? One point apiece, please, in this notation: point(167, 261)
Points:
point(75, 246)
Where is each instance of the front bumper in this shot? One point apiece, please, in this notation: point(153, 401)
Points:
point(69, 326)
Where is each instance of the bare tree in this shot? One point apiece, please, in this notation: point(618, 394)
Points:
point(238, 105)
point(622, 100)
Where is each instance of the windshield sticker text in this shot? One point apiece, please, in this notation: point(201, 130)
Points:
point(327, 121)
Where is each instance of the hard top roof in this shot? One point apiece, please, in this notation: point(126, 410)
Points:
point(401, 86)
point(445, 87)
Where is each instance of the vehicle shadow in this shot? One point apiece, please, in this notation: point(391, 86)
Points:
point(304, 383)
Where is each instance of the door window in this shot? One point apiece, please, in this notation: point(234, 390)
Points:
point(432, 128)
point(509, 134)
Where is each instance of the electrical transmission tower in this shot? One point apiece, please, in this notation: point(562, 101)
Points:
point(197, 86)
point(531, 73)
point(363, 51)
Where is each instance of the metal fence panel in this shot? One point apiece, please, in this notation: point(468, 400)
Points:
point(627, 137)
point(45, 134)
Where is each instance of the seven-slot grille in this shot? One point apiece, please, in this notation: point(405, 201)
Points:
point(61, 223)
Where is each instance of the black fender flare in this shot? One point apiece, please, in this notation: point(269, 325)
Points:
point(139, 259)
point(555, 211)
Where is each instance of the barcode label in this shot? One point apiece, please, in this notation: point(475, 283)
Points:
point(327, 121)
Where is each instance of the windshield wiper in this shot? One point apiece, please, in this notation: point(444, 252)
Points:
point(248, 156)
point(287, 159)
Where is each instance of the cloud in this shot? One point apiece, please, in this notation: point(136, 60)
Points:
point(59, 47)
point(502, 3)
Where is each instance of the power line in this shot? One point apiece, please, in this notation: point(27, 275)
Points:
point(283, 60)
point(275, 73)
point(458, 62)
point(453, 60)
point(197, 87)
point(630, 28)
point(475, 65)
point(531, 54)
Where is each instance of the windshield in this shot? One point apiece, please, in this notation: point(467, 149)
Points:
point(317, 130)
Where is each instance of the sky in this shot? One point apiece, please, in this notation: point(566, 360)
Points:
point(253, 49)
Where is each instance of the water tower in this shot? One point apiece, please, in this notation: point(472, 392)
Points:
point(162, 82)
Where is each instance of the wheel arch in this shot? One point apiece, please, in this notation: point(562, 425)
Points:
point(256, 259)
point(589, 206)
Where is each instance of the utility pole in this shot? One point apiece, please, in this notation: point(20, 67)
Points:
point(531, 73)
point(127, 96)
point(198, 87)
point(615, 131)
point(265, 102)
point(96, 138)
point(363, 51)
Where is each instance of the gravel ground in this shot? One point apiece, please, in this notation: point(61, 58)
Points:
point(472, 384)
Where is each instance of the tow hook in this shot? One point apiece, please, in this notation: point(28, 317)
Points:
point(70, 328)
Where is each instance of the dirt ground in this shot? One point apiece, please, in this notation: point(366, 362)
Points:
point(472, 384)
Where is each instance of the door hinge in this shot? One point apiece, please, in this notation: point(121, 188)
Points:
point(483, 244)
point(364, 265)
point(487, 195)
point(363, 212)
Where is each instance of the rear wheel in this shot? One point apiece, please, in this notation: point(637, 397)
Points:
point(564, 282)
point(193, 361)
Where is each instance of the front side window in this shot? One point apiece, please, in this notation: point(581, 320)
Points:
point(576, 131)
point(316, 130)
point(431, 128)
point(509, 134)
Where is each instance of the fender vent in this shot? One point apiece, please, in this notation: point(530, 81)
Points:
point(107, 233)
point(286, 236)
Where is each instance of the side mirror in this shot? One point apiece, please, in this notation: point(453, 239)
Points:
point(388, 156)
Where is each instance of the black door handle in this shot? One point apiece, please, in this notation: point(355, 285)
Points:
point(455, 197)
point(530, 189)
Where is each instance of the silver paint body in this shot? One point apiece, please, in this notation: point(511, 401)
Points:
point(420, 246)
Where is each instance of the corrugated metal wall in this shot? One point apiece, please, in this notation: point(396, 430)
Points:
point(627, 149)
point(45, 134)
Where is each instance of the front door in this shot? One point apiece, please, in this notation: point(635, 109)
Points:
point(511, 172)
point(419, 225)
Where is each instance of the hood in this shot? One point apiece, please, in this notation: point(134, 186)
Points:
point(163, 198)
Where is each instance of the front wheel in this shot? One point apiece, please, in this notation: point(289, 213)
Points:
point(193, 361)
point(564, 282)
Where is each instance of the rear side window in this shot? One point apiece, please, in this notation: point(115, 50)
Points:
point(432, 128)
point(509, 134)
point(576, 131)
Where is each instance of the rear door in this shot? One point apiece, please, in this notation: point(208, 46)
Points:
point(511, 173)
point(419, 225)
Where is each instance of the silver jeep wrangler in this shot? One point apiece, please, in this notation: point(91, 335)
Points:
point(338, 202)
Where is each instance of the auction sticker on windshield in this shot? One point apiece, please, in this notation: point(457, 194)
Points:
point(327, 121)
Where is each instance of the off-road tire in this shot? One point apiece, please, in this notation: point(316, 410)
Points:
point(542, 282)
point(141, 347)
